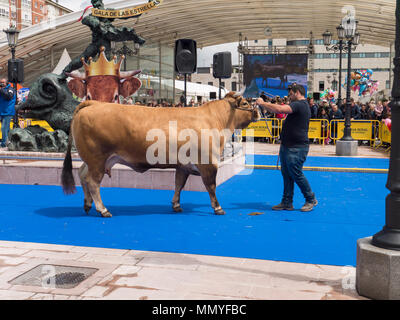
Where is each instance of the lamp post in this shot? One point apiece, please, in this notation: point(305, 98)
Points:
point(12, 38)
point(349, 38)
point(389, 237)
point(378, 259)
point(340, 47)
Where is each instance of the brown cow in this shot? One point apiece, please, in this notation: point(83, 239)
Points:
point(106, 134)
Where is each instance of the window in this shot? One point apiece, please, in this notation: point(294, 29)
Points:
point(234, 86)
point(321, 86)
point(203, 70)
point(298, 42)
point(334, 85)
point(211, 83)
point(387, 84)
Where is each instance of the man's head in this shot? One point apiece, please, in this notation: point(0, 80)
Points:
point(334, 107)
point(3, 82)
point(98, 4)
point(296, 92)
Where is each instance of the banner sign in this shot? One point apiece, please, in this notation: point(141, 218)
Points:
point(127, 12)
point(360, 130)
point(386, 134)
point(263, 129)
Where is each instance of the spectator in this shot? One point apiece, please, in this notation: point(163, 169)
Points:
point(371, 111)
point(335, 113)
point(7, 108)
point(364, 112)
point(313, 108)
point(379, 111)
point(386, 108)
point(324, 125)
point(355, 111)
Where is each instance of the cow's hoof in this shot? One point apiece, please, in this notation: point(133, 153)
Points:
point(106, 214)
point(87, 209)
point(219, 212)
point(177, 209)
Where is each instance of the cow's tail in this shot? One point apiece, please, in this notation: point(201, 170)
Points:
point(67, 178)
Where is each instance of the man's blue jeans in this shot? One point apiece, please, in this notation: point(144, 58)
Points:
point(292, 160)
point(5, 128)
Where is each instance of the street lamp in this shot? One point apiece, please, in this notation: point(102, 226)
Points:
point(125, 51)
point(349, 38)
point(12, 38)
point(340, 47)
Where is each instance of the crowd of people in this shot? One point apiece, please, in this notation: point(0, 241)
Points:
point(330, 110)
point(334, 110)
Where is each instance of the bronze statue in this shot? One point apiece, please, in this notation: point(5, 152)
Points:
point(103, 32)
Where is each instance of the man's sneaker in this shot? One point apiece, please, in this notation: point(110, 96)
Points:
point(283, 206)
point(308, 206)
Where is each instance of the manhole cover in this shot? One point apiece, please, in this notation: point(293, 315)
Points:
point(51, 276)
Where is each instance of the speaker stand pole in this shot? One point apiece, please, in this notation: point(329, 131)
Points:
point(219, 88)
point(185, 93)
point(15, 120)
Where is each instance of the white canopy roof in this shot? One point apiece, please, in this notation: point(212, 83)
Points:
point(203, 90)
point(210, 22)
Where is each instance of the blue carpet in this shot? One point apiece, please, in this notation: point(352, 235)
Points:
point(351, 206)
point(332, 162)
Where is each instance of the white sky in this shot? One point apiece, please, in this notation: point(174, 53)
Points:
point(204, 56)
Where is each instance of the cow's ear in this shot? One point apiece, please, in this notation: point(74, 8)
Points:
point(78, 87)
point(129, 86)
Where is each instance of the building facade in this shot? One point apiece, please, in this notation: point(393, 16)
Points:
point(24, 13)
point(323, 65)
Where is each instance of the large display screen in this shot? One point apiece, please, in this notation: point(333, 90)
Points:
point(273, 73)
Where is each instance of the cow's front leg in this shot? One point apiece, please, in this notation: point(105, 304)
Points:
point(93, 180)
point(209, 177)
point(88, 200)
point(181, 177)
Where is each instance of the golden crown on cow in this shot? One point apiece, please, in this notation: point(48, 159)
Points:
point(102, 67)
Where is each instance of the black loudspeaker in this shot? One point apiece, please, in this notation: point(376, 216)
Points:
point(185, 56)
point(15, 71)
point(316, 96)
point(222, 65)
point(213, 95)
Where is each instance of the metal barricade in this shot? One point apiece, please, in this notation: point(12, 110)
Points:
point(318, 129)
point(269, 128)
point(362, 130)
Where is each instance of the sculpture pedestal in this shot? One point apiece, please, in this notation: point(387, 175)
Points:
point(347, 148)
point(46, 169)
point(378, 271)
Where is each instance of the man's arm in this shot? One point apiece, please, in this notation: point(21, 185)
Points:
point(275, 108)
point(7, 93)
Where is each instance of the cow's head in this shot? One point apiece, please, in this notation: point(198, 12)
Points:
point(244, 112)
point(103, 87)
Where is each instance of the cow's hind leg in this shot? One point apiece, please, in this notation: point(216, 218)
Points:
point(88, 201)
point(181, 177)
point(209, 177)
point(93, 179)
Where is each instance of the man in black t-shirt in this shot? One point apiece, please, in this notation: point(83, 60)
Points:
point(294, 147)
